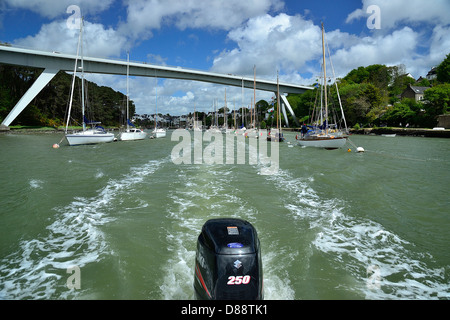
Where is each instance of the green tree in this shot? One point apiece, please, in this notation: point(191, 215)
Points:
point(399, 114)
point(436, 102)
point(443, 70)
point(49, 107)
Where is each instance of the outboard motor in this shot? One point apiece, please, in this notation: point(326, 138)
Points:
point(228, 261)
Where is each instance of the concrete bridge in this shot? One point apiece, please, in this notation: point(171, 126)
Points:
point(52, 62)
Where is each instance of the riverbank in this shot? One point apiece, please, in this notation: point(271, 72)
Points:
point(37, 129)
point(414, 132)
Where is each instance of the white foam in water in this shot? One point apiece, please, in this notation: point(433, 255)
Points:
point(99, 174)
point(277, 285)
point(178, 280)
point(391, 269)
point(36, 184)
point(379, 264)
point(74, 238)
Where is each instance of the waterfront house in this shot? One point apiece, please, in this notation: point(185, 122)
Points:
point(414, 92)
point(432, 74)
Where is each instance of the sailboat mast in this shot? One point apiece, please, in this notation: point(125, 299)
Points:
point(128, 72)
point(254, 95)
point(234, 113)
point(325, 80)
point(73, 80)
point(278, 99)
point(225, 115)
point(82, 74)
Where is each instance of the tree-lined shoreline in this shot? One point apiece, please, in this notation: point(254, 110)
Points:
point(371, 97)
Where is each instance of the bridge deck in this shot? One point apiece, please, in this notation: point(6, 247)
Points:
point(61, 61)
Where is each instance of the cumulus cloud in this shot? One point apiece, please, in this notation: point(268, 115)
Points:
point(144, 15)
point(391, 49)
point(272, 43)
point(405, 11)
point(258, 33)
point(55, 8)
point(56, 36)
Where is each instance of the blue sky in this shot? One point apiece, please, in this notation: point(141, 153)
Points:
point(231, 37)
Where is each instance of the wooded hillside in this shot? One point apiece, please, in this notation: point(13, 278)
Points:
point(50, 105)
point(371, 96)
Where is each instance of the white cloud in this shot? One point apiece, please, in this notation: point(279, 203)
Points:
point(56, 36)
point(271, 43)
point(144, 15)
point(412, 34)
point(408, 12)
point(55, 8)
point(391, 49)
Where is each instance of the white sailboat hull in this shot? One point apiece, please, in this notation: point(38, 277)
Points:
point(159, 133)
point(132, 135)
point(325, 142)
point(89, 137)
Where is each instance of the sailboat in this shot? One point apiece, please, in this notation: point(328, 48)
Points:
point(157, 132)
point(275, 134)
point(225, 128)
point(241, 130)
point(196, 125)
point(96, 134)
point(214, 128)
point(132, 133)
point(252, 132)
point(321, 134)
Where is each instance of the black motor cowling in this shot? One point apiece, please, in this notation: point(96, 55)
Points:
point(228, 261)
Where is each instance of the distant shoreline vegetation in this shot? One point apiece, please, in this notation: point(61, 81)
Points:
point(371, 96)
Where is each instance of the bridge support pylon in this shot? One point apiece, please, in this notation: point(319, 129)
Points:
point(32, 92)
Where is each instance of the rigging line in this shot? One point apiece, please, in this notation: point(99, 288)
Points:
point(351, 142)
point(337, 89)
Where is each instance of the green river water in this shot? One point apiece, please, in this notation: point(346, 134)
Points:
point(332, 224)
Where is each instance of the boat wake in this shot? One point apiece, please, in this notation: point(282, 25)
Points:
point(381, 263)
point(39, 267)
point(206, 193)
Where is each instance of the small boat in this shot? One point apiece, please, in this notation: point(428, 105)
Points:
point(325, 141)
point(89, 136)
point(96, 134)
point(132, 133)
point(214, 128)
point(276, 135)
point(389, 135)
point(251, 133)
point(321, 134)
point(159, 133)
